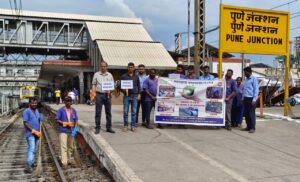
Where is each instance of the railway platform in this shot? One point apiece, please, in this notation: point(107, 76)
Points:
point(195, 153)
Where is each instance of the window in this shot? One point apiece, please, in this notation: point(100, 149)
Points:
point(21, 72)
point(36, 72)
point(9, 71)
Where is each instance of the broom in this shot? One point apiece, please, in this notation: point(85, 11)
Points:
point(75, 152)
point(38, 170)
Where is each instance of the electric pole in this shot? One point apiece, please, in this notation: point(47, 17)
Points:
point(199, 35)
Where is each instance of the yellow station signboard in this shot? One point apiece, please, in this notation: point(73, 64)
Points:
point(254, 31)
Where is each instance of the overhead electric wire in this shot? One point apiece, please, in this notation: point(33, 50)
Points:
point(288, 3)
point(11, 7)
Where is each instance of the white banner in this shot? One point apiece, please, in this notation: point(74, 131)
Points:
point(190, 102)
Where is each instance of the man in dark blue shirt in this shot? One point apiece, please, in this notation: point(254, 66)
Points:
point(131, 97)
point(230, 93)
point(31, 119)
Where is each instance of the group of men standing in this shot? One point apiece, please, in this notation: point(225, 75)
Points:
point(142, 96)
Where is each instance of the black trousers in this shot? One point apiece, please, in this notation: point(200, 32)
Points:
point(249, 111)
point(57, 100)
point(141, 103)
point(103, 99)
point(149, 106)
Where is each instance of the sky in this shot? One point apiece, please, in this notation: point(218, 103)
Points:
point(162, 18)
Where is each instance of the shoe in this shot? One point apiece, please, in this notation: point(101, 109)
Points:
point(110, 130)
point(252, 131)
point(97, 131)
point(65, 166)
point(159, 126)
point(33, 165)
point(245, 129)
point(143, 123)
point(228, 128)
point(133, 129)
point(125, 128)
point(28, 169)
point(150, 126)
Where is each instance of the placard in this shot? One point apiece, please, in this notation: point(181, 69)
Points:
point(107, 85)
point(126, 84)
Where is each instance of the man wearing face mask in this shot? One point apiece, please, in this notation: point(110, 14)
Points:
point(150, 87)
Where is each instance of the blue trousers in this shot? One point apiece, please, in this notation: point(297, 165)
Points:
point(32, 145)
point(149, 105)
point(133, 101)
point(237, 113)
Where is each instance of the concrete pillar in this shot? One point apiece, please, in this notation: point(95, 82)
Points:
point(89, 81)
point(81, 87)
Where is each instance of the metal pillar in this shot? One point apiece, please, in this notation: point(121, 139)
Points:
point(199, 34)
point(81, 86)
point(243, 66)
point(178, 43)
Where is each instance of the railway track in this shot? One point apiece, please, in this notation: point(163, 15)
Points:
point(90, 168)
point(13, 157)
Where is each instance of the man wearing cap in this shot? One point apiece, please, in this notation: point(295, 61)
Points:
point(67, 119)
point(102, 97)
point(249, 98)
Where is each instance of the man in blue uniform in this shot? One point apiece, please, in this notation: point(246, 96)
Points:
point(249, 98)
point(31, 119)
point(67, 119)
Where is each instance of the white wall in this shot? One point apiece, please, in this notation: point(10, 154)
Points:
point(236, 67)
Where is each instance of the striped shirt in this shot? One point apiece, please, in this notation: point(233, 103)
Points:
point(99, 78)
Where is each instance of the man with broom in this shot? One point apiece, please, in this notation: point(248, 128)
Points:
point(31, 119)
point(67, 119)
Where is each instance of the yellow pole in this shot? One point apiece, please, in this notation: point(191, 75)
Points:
point(220, 72)
point(220, 46)
point(286, 84)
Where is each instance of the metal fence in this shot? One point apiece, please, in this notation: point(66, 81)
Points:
point(8, 104)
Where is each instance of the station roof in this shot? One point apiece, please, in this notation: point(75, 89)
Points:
point(121, 43)
point(118, 31)
point(65, 16)
point(119, 54)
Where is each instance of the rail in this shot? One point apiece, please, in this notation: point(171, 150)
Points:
point(58, 168)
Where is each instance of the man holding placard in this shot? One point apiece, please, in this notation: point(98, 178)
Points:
point(103, 84)
point(130, 86)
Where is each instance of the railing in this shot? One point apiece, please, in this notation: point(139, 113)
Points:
point(8, 104)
